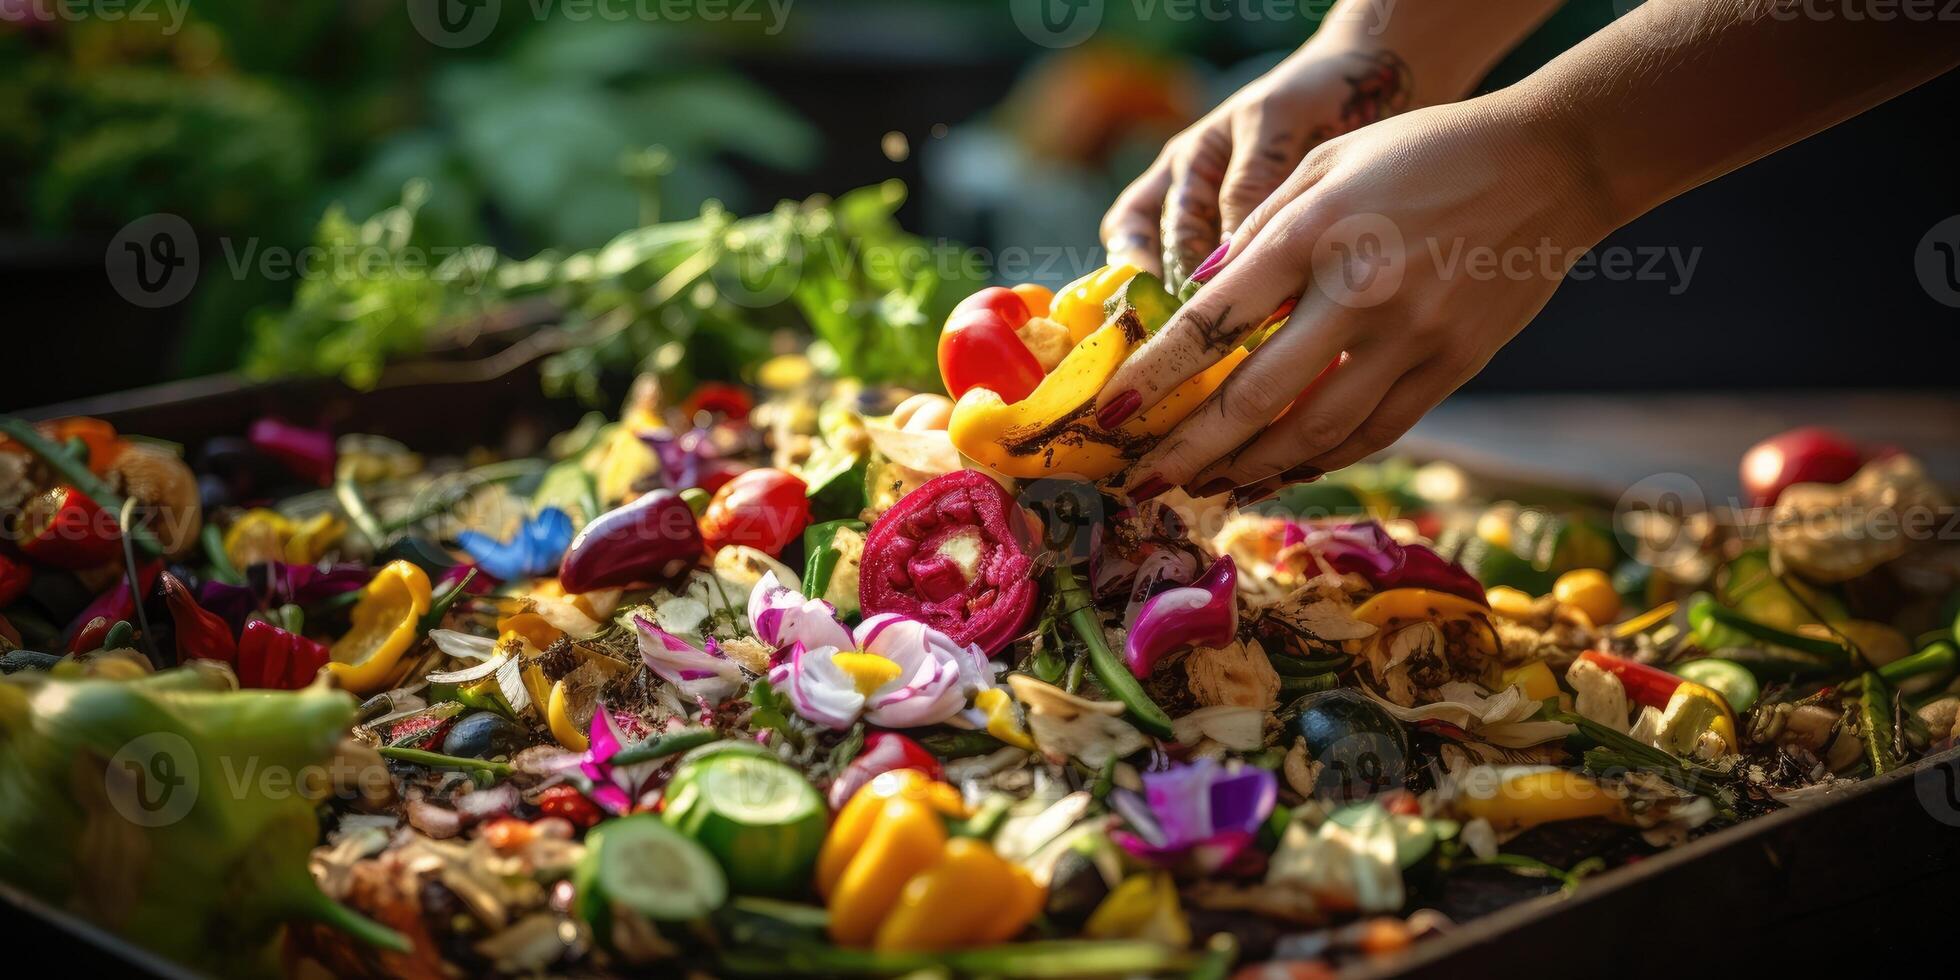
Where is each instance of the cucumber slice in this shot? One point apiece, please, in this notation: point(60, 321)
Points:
point(761, 819)
point(642, 864)
point(1731, 680)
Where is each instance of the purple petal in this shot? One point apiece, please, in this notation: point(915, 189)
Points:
point(1243, 800)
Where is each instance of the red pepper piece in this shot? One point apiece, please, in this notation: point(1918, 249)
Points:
point(1648, 686)
point(14, 576)
point(63, 528)
point(201, 634)
point(112, 605)
point(275, 659)
point(731, 402)
point(567, 802)
point(979, 349)
point(882, 753)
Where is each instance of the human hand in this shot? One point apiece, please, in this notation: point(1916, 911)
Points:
point(1417, 247)
point(1210, 176)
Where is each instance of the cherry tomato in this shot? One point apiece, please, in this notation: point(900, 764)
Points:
point(1037, 296)
point(731, 402)
point(567, 802)
point(1806, 455)
point(979, 349)
point(1011, 306)
point(761, 508)
point(882, 753)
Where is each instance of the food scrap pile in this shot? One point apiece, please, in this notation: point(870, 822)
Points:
point(813, 677)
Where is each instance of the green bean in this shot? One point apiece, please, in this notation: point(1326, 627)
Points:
point(1110, 669)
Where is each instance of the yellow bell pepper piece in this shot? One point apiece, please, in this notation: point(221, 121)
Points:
point(892, 879)
point(909, 838)
point(1080, 304)
point(1691, 710)
point(311, 538)
point(1399, 607)
point(558, 714)
point(385, 626)
point(257, 535)
point(863, 811)
point(534, 628)
point(1535, 677)
point(1051, 432)
point(971, 897)
point(1142, 906)
point(1002, 723)
point(1543, 796)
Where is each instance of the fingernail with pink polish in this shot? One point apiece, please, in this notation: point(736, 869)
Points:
point(1209, 267)
point(1120, 409)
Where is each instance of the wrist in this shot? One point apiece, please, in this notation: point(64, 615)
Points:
point(1555, 150)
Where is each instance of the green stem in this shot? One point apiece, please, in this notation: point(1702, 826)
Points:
point(358, 512)
point(1875, 713)
point(661, 746)
point(437, 760)
point(1111, 671)
point(326, 911)
point(214, 552)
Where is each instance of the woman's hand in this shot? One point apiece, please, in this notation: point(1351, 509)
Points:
point(1209, 177)
point(1416, 247)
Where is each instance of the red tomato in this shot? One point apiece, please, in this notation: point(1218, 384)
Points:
point(1807, 455)
point(1010, 305)
point(979, 349)
point(761, 508)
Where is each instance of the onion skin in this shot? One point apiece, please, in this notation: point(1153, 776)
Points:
point(653, 538)
point(902, 573)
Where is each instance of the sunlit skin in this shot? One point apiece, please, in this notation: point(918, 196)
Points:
point(1367, 229)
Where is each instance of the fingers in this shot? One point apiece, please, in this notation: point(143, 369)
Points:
point(1129, 230)
point(1235, 302)
point(1255, 393)
point(1190, 227)
point(1405, 404)
point(1320, 420)
point(1264, 152)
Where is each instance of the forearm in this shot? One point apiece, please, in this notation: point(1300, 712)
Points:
point(1680, 92)
point(1445, 46)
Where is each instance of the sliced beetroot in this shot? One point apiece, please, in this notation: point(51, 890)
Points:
point(953, 554)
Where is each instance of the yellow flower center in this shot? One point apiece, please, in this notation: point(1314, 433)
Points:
point(867, 671)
